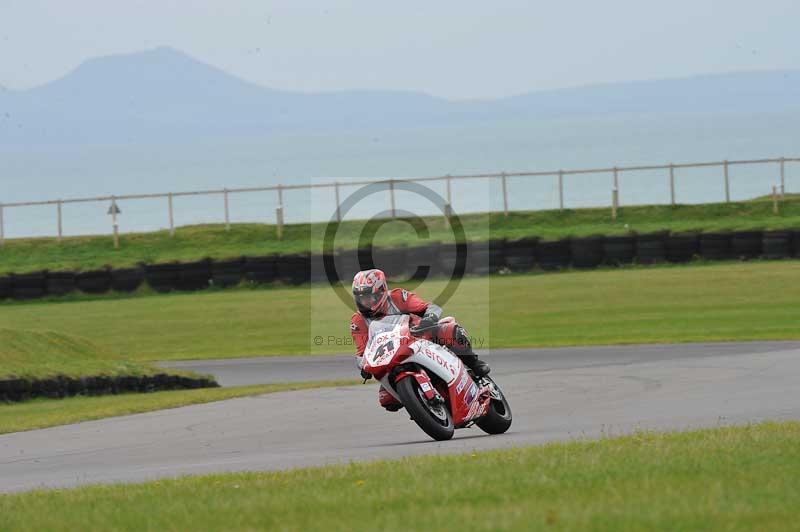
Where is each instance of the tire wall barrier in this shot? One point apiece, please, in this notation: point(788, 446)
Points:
point(651, 248)
point(22, 389)
point(432, 259)
point(587, 252)
point(551, 256)
point(746, 244)
point(682, 247)
point(716, 246)
point(619, 250)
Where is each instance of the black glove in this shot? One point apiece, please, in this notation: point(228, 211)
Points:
point(428, 322)
point(366, 375)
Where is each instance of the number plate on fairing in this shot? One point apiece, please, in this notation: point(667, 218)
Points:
point(382, 348)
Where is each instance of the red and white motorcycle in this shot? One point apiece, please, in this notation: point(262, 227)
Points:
point(438, 391)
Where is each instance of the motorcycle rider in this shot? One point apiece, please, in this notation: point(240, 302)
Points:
point(374, 300)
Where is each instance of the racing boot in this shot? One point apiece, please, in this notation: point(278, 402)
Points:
point(479, 367)
point(463, 348)
point(388, 401)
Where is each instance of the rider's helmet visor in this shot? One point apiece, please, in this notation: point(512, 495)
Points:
point(368, 299)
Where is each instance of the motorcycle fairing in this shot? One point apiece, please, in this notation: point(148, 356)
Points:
point(390, 342)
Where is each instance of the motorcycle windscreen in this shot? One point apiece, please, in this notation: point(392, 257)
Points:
point(384, 340)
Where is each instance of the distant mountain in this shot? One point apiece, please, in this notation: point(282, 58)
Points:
point(710, 93)
point(163, 95)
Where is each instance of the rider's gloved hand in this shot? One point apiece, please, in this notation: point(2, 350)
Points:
point(366, 375)
point(427, 323)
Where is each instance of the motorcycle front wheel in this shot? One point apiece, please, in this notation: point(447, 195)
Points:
point(498, 419)
point(434, 419)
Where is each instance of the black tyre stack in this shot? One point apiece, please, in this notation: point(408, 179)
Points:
point(651, 248)
point(586, 252)
point(434, 260)
point(294, 269)
point(716, 246)
point(227, 273)
point(423, 261)
point(392, 261)
point(60, 283)
point(619, 250)
point(554, 255)
point(28, 285)
point(60, 386)
point(194, 276)
point(777, 244)
point(448, 257)
point(127, 279)
point(347, 264)
point(796, 244)
point(521, 254)
point(259, 270)
point(94, 282)
point(486, 257)
point(5, 287)
point(682, 247)
point(746, 245)
point(163, 277)
point(317, 265)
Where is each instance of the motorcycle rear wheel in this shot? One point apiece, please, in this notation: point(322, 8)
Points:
point(498, 419)
point(435, 421)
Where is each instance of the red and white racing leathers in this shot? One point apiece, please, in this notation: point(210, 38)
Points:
point(404, 302)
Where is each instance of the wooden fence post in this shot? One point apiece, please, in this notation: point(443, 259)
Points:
point(60, 227)
point(727, 183)
point(338, 203)
point(171, 215)
point(783, 177)
point(391, 196)
point(279, 214)
point(114, 211)
point(448, 206)
point(505, 195)
point(561, 189)
point(672, 183)
point(227, 212)
point(774, 199)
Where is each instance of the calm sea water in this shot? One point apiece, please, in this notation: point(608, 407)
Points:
point(68, 172)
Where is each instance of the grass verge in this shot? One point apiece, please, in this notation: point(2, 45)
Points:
point(42, 413)
point(736, 478)
point(34, 354)
point(196, 242)
point(714, 302)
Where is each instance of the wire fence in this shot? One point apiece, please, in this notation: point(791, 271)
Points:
point(335, 191)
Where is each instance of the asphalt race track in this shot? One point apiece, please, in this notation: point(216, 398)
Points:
point(555, 394)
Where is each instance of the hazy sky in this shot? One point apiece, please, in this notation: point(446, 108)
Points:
point(455, 49)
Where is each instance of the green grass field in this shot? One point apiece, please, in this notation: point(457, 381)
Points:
point(40, 354)
point(196, 242)
point(742, 478)
point(707, 302)
point(43, 413)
